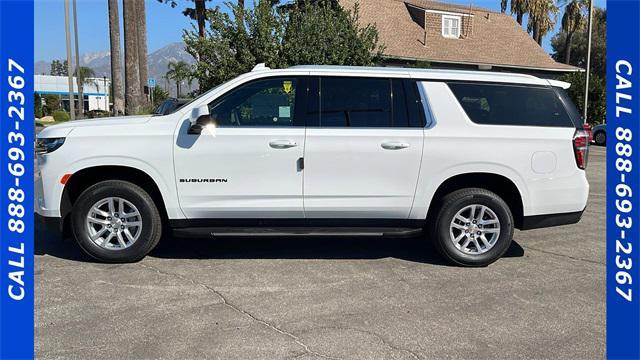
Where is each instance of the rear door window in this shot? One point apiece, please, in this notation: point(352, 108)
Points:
point(504, 104)
point(353, 102)
point(363, 102)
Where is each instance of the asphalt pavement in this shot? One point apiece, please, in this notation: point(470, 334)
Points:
point(336, 298)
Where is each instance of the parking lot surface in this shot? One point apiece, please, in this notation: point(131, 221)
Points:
point(337, 298)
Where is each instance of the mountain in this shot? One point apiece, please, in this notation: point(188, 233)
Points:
point(158, 61)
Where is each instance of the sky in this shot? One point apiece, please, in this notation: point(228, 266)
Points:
point(164, 24)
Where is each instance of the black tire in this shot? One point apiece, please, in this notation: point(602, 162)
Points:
point(600, 138)
point(449, 207)
point(151, 230)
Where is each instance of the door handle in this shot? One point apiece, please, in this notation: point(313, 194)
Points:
point(394, 145)
point(282, 144)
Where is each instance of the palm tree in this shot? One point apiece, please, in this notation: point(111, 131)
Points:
point(116, 58)
point(84, 77)
point(132, 69)
point(179, 71)
point(518, 7)
point(141, 32)
point(199, 13)
point(572, 21)
point(542, 18)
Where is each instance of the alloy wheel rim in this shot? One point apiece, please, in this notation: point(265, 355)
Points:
point(114, 223)
point(474, 229)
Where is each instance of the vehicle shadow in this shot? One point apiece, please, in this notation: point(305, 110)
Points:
point(415, 249)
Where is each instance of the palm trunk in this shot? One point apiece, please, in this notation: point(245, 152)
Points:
point(536, 31)
point(539, 36)
point(567, 48)
point(200, 16)
point(78, 79)
point(131, 68)
point(116, 58)
point(177, 89)
point(141, 30)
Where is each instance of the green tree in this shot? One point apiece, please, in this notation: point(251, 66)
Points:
point(323, 34)
point(197, 13)
point(542, 18)
point(58, 68)
point(572, 21)
point(51, 104)
point(159, 95)
point(84, 75)
point(310, 32)
point(235, 42)
point(518, 7)
point(178, 72)
point(579, 45)
point(37, 105)
point(596, 113)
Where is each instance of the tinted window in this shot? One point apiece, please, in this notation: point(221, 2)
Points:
point(268, 102)
point(400, 116)
point(511, 104)
point(355, 102)
point(573, 112)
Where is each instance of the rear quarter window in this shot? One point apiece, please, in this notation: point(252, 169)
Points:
point(505, 104)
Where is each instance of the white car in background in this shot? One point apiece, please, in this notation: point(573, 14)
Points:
point(465, 156)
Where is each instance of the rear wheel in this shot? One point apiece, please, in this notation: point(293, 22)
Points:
point(473, 227)
point(600, 138)
point(116, 221)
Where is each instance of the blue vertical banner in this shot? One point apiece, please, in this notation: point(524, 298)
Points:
point(16, 180)
point(623, 180)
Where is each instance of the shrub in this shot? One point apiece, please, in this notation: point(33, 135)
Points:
point(97, 114)
point(37, 105)
point(60, 116)
point(52, 103)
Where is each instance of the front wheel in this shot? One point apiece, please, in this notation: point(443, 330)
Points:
point(473, 227)
point(116, 221)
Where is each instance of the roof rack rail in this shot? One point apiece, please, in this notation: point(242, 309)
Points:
point(260, 67)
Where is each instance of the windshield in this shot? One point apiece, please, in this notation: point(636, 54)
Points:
point(162, 109)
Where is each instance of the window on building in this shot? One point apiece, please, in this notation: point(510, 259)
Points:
point(451, 26)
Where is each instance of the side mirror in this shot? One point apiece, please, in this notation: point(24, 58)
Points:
point(199, 119)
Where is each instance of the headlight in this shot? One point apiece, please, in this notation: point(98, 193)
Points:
point(45, 146)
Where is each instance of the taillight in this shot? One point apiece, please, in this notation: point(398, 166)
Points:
point(581, 147)
point(589, 130)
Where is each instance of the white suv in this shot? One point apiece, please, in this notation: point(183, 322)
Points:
point(465, 156)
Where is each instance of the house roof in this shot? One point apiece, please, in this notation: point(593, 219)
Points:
point(496, 38)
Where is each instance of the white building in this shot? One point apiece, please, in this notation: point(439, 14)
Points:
point(95, 91)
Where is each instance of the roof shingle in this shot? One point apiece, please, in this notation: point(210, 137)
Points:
point(495, 38)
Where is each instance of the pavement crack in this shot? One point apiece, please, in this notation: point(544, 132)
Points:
point(226, 302)
point(383, 340)
point(563, 255)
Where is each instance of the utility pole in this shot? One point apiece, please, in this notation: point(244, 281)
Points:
point(586, 83)
point(72, 108)
point(78, 80)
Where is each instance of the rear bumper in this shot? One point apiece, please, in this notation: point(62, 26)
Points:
point(549, 220)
